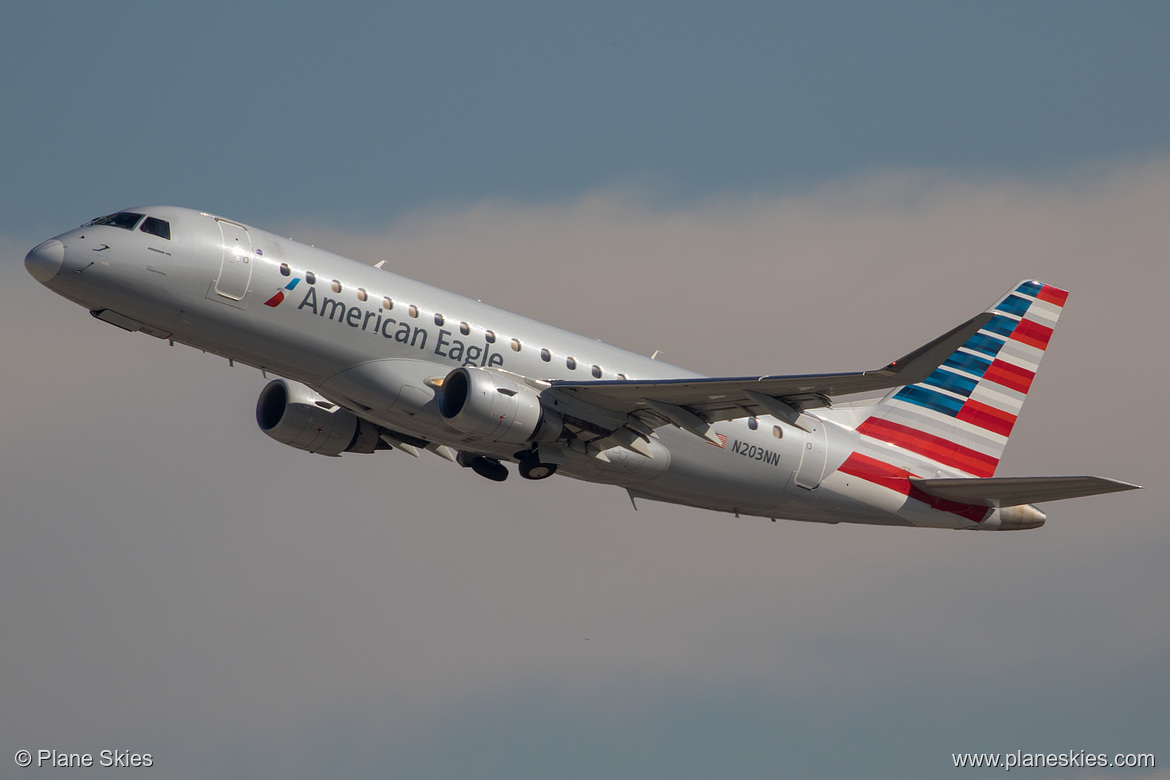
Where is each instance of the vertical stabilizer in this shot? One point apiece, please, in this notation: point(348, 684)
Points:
point(962, 414)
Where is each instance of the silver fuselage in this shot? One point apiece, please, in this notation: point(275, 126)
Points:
point(379, 344)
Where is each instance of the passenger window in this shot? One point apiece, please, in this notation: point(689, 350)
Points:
point(597, 372)
point(464, 328)
point(571, 363)
point(387, 304)
point(284, 269)
point(545, 355)
point(515, 345)
point(362, 294)
point(439, 319)
point(310, 277)
point(336, 286)
point(489, 336)
point(777, 432)
point(413, 310)
point(753, 423)
point(156, 227)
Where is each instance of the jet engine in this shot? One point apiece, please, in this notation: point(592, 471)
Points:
point(294, 415)
point(490, 406)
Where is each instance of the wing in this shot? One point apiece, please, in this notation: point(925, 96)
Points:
point(692, 404)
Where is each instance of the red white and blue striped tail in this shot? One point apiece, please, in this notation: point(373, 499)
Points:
point(962, 414)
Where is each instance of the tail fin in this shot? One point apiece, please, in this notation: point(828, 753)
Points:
point(962, 414)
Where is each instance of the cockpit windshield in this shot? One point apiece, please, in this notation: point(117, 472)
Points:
point(123, 219)
point(127, 220)
point(156, 227)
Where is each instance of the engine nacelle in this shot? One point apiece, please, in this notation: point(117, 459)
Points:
point(294, 415)
point(490, 406)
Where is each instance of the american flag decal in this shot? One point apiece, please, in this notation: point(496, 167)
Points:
point(722, 441)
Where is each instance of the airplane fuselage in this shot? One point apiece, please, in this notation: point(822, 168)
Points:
point(380, 345)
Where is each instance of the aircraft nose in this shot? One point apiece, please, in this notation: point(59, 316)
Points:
point(45, 260)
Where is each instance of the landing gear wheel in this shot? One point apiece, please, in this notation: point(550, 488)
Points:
point(490, 468)
point(531, 468)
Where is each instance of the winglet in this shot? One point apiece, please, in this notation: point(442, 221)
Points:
point(922, 362)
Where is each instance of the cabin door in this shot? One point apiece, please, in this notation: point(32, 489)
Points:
point(235, 270)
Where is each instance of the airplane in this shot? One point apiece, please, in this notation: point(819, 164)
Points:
point(369, 360)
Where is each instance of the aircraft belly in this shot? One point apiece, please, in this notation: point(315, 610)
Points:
point(727, 478)
point(622, 467)
point(377, 384)
point(731, 479)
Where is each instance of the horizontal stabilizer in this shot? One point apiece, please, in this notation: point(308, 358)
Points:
point(1013, 491)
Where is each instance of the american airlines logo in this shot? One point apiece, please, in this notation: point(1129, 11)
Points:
point(276, 300)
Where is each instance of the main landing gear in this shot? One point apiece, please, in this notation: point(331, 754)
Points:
point(531, 468)
point(490, 468)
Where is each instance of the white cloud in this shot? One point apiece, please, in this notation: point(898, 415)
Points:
point(170, 564)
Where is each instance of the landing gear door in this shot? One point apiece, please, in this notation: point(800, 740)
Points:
point(235, 270)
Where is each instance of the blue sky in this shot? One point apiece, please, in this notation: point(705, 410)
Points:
point(749, 187)
point(362, 112)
